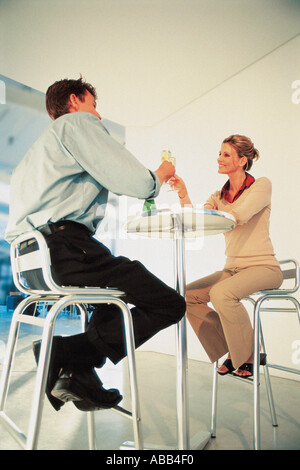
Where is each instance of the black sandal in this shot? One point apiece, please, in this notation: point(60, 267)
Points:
point(228, 365)
point(248, 367)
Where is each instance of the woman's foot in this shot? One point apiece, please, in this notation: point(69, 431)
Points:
point(226, 367)
point(246, 370)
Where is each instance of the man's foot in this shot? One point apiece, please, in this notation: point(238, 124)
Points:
point(85, 389)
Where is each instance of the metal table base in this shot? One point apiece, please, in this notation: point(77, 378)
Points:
point(200, 439)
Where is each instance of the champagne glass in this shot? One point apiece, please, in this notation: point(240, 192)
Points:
point(166, 155)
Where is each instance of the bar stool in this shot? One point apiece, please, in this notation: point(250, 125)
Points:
point(290, 270)
point(59, 297)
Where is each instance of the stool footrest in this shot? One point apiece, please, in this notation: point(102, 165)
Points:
point(124, 412)
point(284, 368)
point(13, 429)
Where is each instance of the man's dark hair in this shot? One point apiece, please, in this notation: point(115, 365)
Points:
point(57, 95)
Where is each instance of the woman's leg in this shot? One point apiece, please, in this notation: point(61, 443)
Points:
point(203, 319)
point(225, 297)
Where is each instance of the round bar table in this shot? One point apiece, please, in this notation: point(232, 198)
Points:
point(178, 225)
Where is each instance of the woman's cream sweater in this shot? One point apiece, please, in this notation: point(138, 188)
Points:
point(249, 243)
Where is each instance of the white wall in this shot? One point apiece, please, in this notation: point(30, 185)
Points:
point(261, 103)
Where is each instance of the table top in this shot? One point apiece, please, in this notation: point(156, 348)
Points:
point(191, 222)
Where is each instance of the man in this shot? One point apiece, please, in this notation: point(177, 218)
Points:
point(60, 188)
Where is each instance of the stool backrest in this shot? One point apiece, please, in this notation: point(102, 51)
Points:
point(290, 271)
point(38, 263)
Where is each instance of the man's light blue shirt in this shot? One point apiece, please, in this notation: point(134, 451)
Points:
point(68, 172)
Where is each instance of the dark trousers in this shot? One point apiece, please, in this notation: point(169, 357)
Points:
point(80, 260)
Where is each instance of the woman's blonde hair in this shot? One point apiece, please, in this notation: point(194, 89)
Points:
point(244, 147)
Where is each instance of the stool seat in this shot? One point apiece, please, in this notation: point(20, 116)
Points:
point(47, 291)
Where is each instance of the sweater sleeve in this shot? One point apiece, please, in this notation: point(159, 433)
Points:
point(258, 197)
point(212, 201)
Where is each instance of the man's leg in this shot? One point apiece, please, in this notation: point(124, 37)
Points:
point(156, 306)
point(79, 260)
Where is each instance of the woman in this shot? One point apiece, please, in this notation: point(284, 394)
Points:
point(250, 261)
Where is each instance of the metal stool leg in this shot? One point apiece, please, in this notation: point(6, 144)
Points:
point(214, 401)
point(42, 376)
point(268, 382)
point(270, 396)
point(11, 348)
point(130, 344)
point(30, 441)
point(256, 380)
point(90, 414)
point(91, 430)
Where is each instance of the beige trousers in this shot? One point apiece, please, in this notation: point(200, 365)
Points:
point(227, 327)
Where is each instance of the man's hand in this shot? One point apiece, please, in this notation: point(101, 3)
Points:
point(165, 171)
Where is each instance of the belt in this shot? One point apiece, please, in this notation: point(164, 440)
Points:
point(52, 228)
point(62, 225)
point(46, 230)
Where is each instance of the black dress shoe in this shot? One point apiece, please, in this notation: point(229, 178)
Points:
point(86, 390)
point(53, 372)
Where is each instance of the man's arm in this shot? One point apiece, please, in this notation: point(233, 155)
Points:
point(108, 162)
point(165, 171)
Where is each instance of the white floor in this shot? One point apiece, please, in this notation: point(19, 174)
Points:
point(67, 430)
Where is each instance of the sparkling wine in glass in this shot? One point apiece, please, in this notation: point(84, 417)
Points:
point(166, 155)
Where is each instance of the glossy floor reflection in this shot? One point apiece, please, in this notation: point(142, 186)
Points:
point(67, 430)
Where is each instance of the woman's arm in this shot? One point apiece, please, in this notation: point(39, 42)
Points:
point(212, 201)
point(178, 184)
point(259, 196)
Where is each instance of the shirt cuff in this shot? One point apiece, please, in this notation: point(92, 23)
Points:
point(157, 185)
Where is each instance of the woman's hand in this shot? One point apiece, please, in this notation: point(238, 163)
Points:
point(178, 184)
